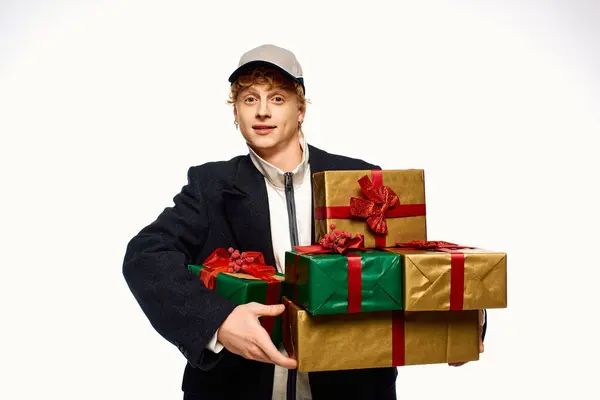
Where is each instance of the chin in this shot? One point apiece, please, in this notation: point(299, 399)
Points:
point(263, 143)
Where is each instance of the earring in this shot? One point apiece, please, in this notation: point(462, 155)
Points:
point(300, 124)
point(236, 124)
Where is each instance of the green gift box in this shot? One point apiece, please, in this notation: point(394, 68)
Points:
point(352, 282)
point(242, 288)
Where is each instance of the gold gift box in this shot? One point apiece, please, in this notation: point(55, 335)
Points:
point(365, 340)
point(334, 189)
point(427, 279)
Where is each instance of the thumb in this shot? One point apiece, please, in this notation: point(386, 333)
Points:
point(270, 310)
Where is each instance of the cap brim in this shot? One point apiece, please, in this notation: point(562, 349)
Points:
point(254, 64)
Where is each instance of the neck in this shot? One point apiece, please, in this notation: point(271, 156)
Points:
point(286, 156)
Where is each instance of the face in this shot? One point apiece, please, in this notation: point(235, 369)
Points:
point(268, 119)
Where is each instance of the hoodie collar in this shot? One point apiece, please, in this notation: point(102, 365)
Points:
point(274, 175)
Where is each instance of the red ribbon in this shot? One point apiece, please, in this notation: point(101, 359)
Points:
point(354, 283)
point(340, 246)
point(430, 245)
point(381, 202)
point(398, 339)
point(220, 261)
point(457, 266)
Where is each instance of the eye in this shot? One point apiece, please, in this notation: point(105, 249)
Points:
point(249, 99)
point(278, 99)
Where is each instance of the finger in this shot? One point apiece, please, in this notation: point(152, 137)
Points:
point(265, 343)
point(272, 310)
point(456, 364)
point(481, 348)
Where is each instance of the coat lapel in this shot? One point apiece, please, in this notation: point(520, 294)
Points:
point(317, 164)
point(247, 209)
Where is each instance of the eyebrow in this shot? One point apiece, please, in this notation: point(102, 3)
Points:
point(276, 91)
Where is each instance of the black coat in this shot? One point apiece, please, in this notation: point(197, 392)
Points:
point(224, 204)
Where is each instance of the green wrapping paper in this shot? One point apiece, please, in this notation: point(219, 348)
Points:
point(242, 289)
point(328, 283)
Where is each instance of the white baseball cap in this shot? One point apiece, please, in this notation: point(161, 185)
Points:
point(273, 56)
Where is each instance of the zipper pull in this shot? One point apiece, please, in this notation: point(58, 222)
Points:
point(288, 180)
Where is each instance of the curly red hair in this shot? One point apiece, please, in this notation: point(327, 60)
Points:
point(270, 77)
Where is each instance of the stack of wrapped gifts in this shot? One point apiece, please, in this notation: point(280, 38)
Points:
point(373, 292)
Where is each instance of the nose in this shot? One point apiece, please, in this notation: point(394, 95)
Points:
point(263, 110)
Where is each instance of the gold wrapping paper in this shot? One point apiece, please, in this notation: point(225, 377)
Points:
point(355, 341)
point(427, 279)
point(335, 188)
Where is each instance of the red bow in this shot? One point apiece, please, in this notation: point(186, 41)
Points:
point(429, 245)
point(374, 208)
point(334, 242)
point(232, 261)
point(338, 242)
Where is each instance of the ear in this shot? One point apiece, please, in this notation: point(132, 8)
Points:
point(301, 114)
point(235, 111)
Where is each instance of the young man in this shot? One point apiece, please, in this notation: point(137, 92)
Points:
point(261, 202)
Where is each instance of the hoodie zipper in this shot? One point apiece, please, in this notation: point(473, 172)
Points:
point(291, 209)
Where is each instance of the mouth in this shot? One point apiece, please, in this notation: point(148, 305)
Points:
point(263, 129)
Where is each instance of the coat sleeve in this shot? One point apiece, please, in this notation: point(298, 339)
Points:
point(177, 304)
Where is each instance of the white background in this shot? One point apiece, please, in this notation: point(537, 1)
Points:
point(105, 104)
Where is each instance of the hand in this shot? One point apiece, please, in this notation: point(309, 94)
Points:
point(481, 348)
point(242, 334)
